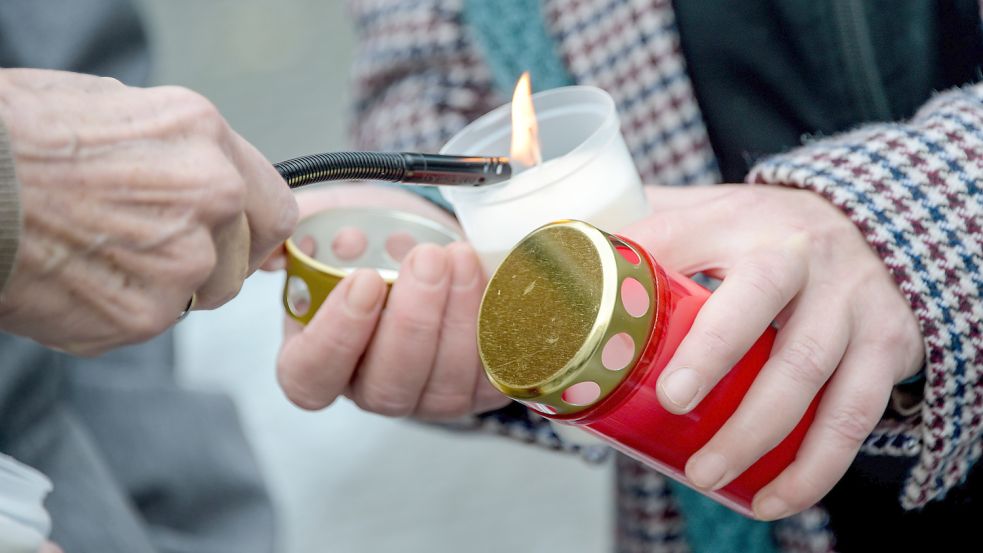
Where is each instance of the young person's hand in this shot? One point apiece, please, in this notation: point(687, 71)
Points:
point(414, 354)
point(133, 201)
point(791, 257)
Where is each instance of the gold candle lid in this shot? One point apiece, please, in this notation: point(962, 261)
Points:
point(566, 316)
point(376, 238)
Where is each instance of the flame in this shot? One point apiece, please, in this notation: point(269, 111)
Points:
point(525, 129)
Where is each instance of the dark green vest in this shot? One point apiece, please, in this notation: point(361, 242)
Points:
point(768, 72)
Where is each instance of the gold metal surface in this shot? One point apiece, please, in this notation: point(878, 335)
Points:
point(550, 309)
point(318, 274)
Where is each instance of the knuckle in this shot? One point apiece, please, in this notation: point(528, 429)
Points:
point(416, 325)
point(745, 200)
point(223, 188)
point(297, 391)
point(852, 423)
point(196, 110)
point(763, 277)
point(197, 263)
point(744, 438)
point(214, 189)
point(804, 362)
point(896, 339)
point(891, 334)
point(384, 399)
point(896, 334)
point(805, 494)
point(226, 296)
point(289, 214)
point(341, 346)
point(457, 324)
point(753, 195)
point(445, 404)
point(148, 322)
point(740, 200)
point(713, 340)
point(657, 231)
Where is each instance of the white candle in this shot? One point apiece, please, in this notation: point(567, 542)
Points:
point(587, 174)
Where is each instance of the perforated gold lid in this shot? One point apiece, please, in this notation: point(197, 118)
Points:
point(314, 273)
point(565, 317)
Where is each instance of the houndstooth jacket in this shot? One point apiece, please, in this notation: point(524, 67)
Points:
point(912, 188)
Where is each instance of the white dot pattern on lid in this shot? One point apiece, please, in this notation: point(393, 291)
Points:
point(618, 352)
point(582, 393)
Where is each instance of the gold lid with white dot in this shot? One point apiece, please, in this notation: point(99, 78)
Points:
point(565, 317)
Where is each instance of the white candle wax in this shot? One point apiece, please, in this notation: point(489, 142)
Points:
point(587, 174)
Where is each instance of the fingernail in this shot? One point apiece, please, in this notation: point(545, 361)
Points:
point(706, 470)
point(465, 265)
point(363, 292)
point(771, 508)
point(429, 264)
point(681, 387)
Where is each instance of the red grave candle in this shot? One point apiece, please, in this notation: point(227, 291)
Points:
point(578, 325)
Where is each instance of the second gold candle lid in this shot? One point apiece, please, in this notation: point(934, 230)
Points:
point(381, 237)
point(566, 316)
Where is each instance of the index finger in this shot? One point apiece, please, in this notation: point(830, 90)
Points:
point(270, 206)
point(316, 362)
point(689, 234)
point(731, 321)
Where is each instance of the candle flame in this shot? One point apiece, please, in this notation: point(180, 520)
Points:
point(525, 129)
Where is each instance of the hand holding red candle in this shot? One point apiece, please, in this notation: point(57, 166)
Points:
point(791, 257)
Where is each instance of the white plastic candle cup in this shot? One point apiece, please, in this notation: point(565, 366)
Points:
point(24, 523)
point(587, 172)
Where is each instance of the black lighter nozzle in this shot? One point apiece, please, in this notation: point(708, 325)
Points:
point(409, 168)
point(440, 170)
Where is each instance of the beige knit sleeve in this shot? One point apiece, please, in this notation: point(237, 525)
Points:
point(10, 216)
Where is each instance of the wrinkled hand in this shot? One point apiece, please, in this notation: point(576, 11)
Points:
point(133, 199)
point(791, 257)
point(415, 354)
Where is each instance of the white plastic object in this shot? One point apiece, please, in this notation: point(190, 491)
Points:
point(24, 523)
point(587, 173)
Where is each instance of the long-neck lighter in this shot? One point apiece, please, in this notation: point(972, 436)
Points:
point(407, 168)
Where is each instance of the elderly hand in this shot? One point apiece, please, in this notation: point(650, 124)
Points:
point(791, 257)
point(415, 354)
point(133, 200)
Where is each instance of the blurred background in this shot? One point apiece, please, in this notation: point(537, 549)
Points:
point(344, 480)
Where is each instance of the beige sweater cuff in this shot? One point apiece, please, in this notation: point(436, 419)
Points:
point(10, 215)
